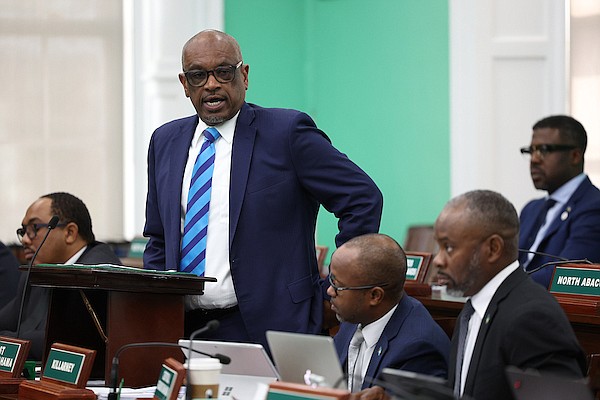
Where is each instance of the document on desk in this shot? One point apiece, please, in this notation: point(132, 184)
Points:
point(132, 394)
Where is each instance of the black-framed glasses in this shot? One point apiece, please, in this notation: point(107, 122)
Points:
point(342, 288)
point(223, 74)
point(541, 150)
point(31, 230)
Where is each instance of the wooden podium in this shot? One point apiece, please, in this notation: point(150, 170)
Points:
point(105, 307)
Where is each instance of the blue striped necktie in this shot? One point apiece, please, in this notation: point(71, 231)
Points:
point(193, 245)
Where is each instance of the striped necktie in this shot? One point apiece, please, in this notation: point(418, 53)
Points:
point(195, 227)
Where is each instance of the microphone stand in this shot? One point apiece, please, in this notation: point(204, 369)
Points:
point(114, 395)
point(51, 225)
point(209, 327)
point(565, 261)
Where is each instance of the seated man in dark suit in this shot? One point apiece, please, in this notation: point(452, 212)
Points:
point(367, 294)
point(565, 223)
point(9, 275)
point(508, 319)
point(72, 241)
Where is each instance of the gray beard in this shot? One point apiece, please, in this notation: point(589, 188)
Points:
point(473, 273)
point(213, 121)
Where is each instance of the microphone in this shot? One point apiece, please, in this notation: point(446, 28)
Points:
point(113, 395)
point(539, 253)
point(209, 327)
point(51, 225)
point(563, 261)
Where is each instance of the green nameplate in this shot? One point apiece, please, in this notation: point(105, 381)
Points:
point(572, 280)
point(166, 382)
point(413, 266)
point(8, 355)
point(64, 365)
point(137, 247)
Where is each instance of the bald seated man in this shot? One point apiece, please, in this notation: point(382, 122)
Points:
point(367, 276)
point(72, 241)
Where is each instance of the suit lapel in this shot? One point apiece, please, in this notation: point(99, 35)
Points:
point(571, 204)
point(389, 333)
point(241, 156)
point(505, 288)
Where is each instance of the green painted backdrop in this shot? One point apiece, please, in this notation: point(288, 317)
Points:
point(375, 77)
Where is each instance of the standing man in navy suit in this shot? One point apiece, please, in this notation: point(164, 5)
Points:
point(367, 294)
point(566, 223)
point(273, 169)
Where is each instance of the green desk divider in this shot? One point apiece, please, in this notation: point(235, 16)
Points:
point(576, 280)
point(169, 380)
point(164, 387)
point(64, 365)
point(413, 267)
point(8, 355)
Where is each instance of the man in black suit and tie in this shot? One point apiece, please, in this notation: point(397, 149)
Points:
point(513, 320)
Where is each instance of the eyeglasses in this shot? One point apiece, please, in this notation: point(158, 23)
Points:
point(340, 289)
point(542, 150)
point(31, 230)
point(223, 74)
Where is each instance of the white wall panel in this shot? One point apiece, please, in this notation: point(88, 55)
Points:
point(507, 71)
point(156, 32)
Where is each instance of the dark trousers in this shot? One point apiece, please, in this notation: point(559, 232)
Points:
point(231, 326)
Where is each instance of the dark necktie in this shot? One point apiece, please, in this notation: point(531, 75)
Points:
point(541, 218)
point(463, 326)
point(195, 227)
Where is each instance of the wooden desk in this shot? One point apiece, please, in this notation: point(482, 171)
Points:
point(584, 319)
point(104, 309)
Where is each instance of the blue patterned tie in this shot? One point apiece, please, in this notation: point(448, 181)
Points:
point(193, 245)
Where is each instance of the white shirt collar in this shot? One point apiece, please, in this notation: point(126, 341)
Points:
point(481, 300)
point(226, 130)
point(564, 193)
point(372, 332)
point(75, 256)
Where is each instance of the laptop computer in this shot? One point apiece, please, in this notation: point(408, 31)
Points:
point(250, 367)
point(304, 358)
point(531, 385)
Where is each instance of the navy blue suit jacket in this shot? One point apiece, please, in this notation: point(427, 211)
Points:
point(523, 326)
point(411, 341)
point(574, 234)
point(282, 169)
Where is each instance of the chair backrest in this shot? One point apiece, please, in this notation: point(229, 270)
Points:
point(420, 238)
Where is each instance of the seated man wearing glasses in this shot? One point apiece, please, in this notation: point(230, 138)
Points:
point(382, 327)
point(72, 241)
point(565, 224)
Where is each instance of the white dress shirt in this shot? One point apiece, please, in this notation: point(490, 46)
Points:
point(372, 332)
point(220, 294)
point(480, 301)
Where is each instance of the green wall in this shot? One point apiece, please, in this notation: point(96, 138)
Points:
point(375, 77)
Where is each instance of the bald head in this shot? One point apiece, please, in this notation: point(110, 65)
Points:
point(215, 39)
point(380, 259)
